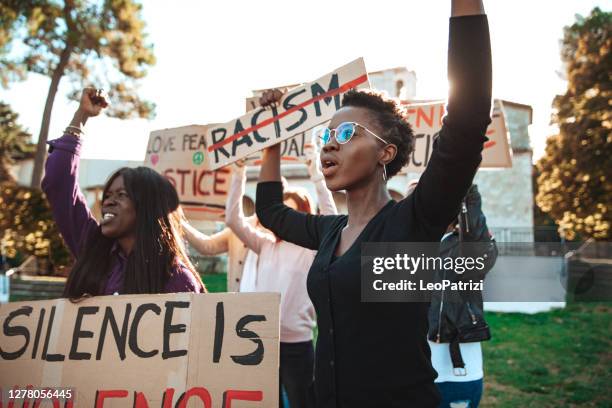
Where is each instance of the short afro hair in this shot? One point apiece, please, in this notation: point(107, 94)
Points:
point(391, 119)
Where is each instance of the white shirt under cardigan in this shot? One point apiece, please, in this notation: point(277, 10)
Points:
point(281, 266)
point(441, 362)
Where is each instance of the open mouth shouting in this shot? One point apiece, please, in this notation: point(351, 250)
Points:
point(107, 217)
point(329, 165)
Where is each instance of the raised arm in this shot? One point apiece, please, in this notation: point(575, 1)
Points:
point(234, 214)
point(327, 206)
point(457, 151)
point(325, 199)
point(466, 8)
point(207, 245)
point(60, 184)
point(302, 229)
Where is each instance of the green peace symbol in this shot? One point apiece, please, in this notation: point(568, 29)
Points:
point(198, 158)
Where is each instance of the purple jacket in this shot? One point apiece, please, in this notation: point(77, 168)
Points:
point(75, 221)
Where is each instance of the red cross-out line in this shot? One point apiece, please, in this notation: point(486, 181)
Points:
point(333, 92)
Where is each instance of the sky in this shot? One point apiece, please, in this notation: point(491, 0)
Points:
point(211, 54)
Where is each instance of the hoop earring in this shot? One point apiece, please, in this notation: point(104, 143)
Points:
point(384, 172)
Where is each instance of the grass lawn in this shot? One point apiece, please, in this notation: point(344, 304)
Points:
point(215, 282)
point(561, 358)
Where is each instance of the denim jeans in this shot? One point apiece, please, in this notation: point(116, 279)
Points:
point(296, 373)
point(460, 394)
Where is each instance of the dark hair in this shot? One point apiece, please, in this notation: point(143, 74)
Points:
point(391, 118)
point(158, 248)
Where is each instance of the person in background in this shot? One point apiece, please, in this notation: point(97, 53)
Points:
point(241, 261)
point(136, 247)
point(224, 241)
point(375, 354)
point(456, 318)
point(282, 267)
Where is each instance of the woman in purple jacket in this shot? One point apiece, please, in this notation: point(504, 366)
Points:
point(136, 246)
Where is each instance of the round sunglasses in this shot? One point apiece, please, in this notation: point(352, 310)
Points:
point(343, 133)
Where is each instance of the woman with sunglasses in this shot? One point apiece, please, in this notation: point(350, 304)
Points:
point(376, 354)
point(282, 267)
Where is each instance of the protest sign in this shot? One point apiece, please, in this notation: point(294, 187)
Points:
point(426, 121)
point(170, 351)
point(300, 109)
point(179, 155)
point(292, 149)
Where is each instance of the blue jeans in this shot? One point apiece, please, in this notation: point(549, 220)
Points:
point(460, 394)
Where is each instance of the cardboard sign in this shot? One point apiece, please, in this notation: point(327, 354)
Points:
point(299, 110)
point(292, 149)
point(179, 154)
point(426, 121)
point(171, 351)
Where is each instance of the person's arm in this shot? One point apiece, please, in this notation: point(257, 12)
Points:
point(327, 206)
point(302, 229)
point(466, 8)
point(60, 183)
point(270, 164)
point(215, 244)
point(457, 151)
point(234, 214)
point(325, 199)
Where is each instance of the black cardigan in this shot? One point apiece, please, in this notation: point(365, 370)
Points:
point(376, 354)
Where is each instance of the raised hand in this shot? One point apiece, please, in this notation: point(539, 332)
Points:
point(91, 104)
point(93, 101)
point(239, 168)
point(271, 97)
point(466, 8)
point(313, 161)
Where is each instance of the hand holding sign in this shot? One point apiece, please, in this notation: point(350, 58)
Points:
point(299, 110)
point(271, 97)
point(238, 168)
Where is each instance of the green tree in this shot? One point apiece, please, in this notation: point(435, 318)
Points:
point(26, 222)
point(545, 228)
point(97, 43)
point(15, 142)
point(27, 225)
point(574, 185)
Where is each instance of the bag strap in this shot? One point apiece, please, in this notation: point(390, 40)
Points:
point(458, 364)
